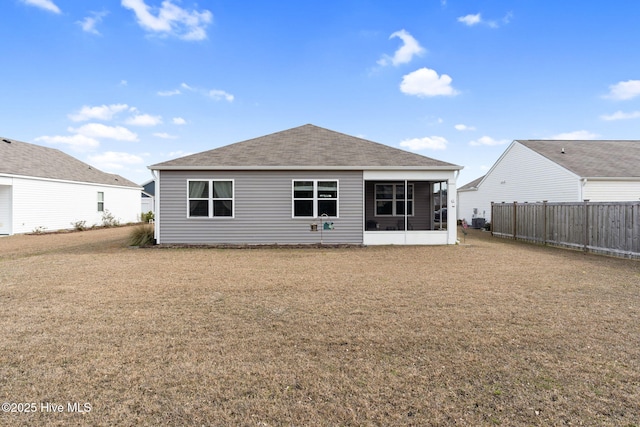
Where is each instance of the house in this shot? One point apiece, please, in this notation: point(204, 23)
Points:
point(555, 171)
point(43, 188)
point(301, 186)
point(148, 196)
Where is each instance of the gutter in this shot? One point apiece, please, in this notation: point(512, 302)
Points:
point(314, 168)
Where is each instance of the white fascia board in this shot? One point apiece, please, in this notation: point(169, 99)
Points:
point(611, 178)
point(395, 174)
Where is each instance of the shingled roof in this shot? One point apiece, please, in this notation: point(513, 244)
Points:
point(305, 147)
point(592, 159)
point(24, 159)
point(473, 185)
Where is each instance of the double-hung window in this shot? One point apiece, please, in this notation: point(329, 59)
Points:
point(210, 198)
point(100, 201)
point(390, 199)
point(313, 198)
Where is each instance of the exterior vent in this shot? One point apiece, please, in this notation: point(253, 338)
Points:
point(7, 141)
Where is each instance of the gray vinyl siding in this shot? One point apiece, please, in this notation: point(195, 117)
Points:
point(262, 209)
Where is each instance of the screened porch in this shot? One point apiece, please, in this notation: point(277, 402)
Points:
point(409, 205)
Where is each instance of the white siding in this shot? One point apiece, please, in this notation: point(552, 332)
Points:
point(147, 204)
point(5, 209)
point(55, 205)
point(611, 191)
point(520, 175)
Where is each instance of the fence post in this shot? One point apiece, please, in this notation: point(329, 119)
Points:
point(493, 219)
point(586, 225)
point(515, 222)
point(544, 222)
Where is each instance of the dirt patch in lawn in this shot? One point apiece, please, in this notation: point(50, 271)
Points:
point(491, 332)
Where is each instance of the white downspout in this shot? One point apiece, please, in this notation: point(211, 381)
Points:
point(156, 202)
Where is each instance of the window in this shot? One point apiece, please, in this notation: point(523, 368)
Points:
point(100, 201)
point(313, 198)
point(390, 199)
point(211, 198)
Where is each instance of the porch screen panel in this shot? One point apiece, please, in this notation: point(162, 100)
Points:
point(384, 199)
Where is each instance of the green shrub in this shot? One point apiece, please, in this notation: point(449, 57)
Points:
point(146, 216)
point(108, 220)
point(141, 235)
point(79, 225)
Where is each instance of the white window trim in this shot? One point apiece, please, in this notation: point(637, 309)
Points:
point(210, 199)
point(394, 200)
point(100, 201)
point(315, 197)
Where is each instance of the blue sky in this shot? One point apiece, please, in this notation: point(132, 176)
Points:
point(123, 84)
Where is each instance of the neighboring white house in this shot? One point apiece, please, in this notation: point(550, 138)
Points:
point(148, 200)
point(555, 171)
point(45, 189)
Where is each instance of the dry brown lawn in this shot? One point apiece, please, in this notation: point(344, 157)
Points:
point(491, 332)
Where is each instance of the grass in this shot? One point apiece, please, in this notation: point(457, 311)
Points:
point(141, 235)
point(489, 333)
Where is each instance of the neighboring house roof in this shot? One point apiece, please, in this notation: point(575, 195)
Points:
point(473, 185)
point(149, 187)
point(305, 147)
point(24, 159)
point(592, 159)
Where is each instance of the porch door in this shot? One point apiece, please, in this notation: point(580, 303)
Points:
point(5, 209)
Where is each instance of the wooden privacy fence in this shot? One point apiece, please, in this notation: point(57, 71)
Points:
point(611, 228)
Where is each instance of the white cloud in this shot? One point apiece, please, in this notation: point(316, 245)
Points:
point(426, 143)
point(43, 4)
point(169, 92)
point(164, 135)
point(624, 90)
point(179, 121)
point(100, 131)
point(410, 48)
point(170, 19)
point(507, 18)
point(577, 135)
point(216, 94)
point(220, 95)
point(114, 160)
point(89, 23)
point(470, 20)
point(102, 112)
point(462, 127)
point(76, 142)
point(487, 140)
point(426, 82)
point(619, 115)
point(178, 153)
point(144, 120)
